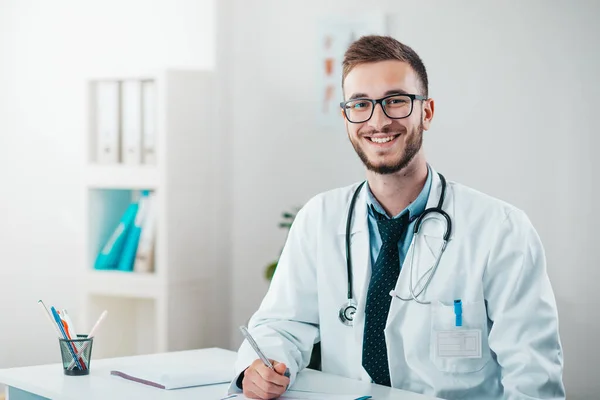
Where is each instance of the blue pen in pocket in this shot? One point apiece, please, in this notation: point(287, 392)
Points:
point(458, 312)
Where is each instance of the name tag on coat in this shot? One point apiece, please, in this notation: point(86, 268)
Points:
point(458, 343)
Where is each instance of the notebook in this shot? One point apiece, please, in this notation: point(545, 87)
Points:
point(177, 372)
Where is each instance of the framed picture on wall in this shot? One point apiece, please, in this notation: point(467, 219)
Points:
point(335, 34)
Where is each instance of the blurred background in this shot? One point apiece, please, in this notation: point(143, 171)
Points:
point(231, 98)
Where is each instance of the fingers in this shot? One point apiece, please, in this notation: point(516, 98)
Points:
point(261, 382)
point(251, 395)
point(256, 388)
point(282, 369)
point(272, 377)
point(258, 394)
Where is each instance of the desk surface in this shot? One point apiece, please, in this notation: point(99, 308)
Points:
point(49, 381)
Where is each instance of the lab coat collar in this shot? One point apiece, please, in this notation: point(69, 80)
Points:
point(438, 229)
point(360, 216)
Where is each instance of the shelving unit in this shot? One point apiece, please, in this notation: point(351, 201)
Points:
point(122, 177)
point(123, 284)
point(164, 310)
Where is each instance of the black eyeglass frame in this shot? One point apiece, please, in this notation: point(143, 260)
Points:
point(380, 101)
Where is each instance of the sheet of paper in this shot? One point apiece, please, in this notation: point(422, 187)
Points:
point(292, 395)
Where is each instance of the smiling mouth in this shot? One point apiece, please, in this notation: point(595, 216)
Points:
point(381, 140)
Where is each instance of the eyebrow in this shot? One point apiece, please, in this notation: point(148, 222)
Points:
point(389, 92)
point(357, 96)
point(395, 91)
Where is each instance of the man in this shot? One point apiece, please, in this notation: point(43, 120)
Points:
point(463, 308)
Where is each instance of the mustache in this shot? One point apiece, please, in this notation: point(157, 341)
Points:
point(396, 130)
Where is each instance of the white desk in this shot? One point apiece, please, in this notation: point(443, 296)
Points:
point(49, 382)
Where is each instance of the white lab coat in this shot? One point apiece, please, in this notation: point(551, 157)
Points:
point(494, 263)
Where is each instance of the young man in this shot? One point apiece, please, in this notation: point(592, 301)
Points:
point(461, 307)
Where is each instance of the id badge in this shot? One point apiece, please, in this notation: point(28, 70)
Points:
point(459, 343)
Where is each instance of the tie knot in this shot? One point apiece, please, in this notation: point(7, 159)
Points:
point(391, 230)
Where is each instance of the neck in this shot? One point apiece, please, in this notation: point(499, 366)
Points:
point(396, 191)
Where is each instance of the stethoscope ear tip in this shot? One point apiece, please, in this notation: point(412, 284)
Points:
point(393, 293)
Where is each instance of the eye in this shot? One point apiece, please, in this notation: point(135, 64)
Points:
point(360, 104)
point(396, 101)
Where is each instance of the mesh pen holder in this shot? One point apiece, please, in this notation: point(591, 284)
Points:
point(76, 355)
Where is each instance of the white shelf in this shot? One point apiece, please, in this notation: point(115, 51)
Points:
point(124, 284)
point(144, 308)
point(99, 176)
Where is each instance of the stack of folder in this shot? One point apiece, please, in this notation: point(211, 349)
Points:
point(125, 121)
point(131, 246)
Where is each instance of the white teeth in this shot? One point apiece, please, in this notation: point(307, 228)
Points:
point(382, 140)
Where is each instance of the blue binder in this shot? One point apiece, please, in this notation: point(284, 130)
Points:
point(132, 240)
point(111, 253)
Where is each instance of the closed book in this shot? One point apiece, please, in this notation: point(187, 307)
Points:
point(176, 371)
point(144, 257)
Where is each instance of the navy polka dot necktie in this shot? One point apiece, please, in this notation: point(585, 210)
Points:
point(384, 275)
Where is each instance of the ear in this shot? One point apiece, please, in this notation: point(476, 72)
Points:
point(427, 115)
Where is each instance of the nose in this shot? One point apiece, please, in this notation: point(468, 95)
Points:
point(379, 120)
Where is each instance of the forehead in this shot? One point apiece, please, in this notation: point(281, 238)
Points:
point(374, 79)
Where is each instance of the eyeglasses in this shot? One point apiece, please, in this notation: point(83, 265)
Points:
point(395, 106)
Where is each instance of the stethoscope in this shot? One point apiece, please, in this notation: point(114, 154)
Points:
point(348, 309)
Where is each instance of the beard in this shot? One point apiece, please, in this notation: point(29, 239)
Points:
point(413, 145)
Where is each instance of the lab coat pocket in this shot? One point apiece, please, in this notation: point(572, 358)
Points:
point(459, 349)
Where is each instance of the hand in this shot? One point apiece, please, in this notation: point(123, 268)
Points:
point(261, 382)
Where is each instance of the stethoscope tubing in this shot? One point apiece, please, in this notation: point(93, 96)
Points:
point(414, 296)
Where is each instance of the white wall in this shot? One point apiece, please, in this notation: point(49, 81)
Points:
point(47, 50)
point(516, 87)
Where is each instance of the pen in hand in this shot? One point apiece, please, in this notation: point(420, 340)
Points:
point(258, 382)
point(254, 345)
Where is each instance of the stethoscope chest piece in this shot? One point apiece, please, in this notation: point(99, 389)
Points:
point(347, 312)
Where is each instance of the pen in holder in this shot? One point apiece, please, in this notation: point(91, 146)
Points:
point(76, 355)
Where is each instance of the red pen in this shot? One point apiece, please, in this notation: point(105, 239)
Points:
point(71, 335)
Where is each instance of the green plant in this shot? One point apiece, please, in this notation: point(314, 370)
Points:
point(286, 223)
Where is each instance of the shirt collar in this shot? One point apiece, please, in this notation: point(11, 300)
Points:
point(414, 209)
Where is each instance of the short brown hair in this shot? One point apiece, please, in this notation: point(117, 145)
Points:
point(374, 48)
